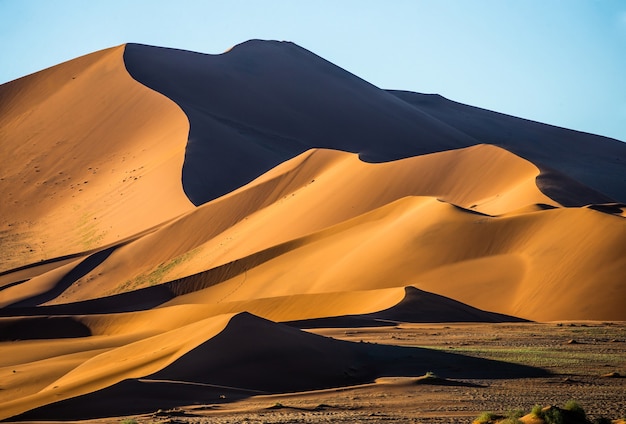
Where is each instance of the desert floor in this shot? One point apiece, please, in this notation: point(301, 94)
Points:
point(586, 362)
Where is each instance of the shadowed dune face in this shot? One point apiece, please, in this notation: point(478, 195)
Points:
point(416, 306)
point(41, 328)
point(274, 100)
point(560, 153)
point(165, 211)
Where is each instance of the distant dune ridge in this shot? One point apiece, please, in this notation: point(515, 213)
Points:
point(169, 216)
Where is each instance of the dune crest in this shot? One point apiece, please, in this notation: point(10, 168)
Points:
point(274, 100)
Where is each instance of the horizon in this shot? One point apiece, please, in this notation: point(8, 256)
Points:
point(560, 64)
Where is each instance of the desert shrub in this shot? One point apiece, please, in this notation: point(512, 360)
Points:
point(575, 408)
point(515, 414)
point(129, 421)
point(486, 417)
point(537, 411)
point(602, 420)
point(430, 374)
point(553, 416)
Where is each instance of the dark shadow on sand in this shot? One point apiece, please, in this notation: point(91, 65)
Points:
point(42, 327)
point(253, 356)
point(264, 102)
point(82, 269)
point(417, 306)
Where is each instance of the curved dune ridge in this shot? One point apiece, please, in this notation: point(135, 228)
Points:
point(86, 151)
point(173, 220)
point(273, 100)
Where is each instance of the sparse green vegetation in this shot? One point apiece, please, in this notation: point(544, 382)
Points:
point(537, 411)
point(486, 417)
point(129, 421)
point(430, 374)
point(553, 415)
point(575, 408)
point(543, 357)
point(155, 276)
point(490, 417)
point(571, 413)
point(515, 414)
point(90, 233)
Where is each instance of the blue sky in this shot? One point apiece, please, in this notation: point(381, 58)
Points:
point(561, 62)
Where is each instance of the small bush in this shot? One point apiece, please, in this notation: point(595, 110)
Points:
point(553, 416)
point(537, 411)
point(486, 417)
point(129, 421)
point(515, 414)
point(574, 407)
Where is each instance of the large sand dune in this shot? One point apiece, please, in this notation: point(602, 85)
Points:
point(86, 150)
point(273, 100)
point(171, 219)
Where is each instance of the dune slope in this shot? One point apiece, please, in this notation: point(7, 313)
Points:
point(473, 217)
point(87, 151)
point(550, 148)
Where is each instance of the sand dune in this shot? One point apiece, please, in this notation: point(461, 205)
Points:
point(90, 149)
point(173, 220)
point(416, 306)
point(409, 242)
point(335, 184)
point(386, 234)
point(223, 359)
point(274, 100)
point(550, 148)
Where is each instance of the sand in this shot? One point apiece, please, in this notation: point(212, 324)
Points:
point(180, 228)
point(86, 151)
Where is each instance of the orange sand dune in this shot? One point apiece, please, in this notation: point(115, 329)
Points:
point(154, 241)
point(90, 150)
point(499, 264)
point(384, 236)
point(416, 306)
point(336, 185)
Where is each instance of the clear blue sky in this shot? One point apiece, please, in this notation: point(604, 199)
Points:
point(561, 62)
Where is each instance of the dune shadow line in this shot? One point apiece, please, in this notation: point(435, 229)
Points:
point(79, 271)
